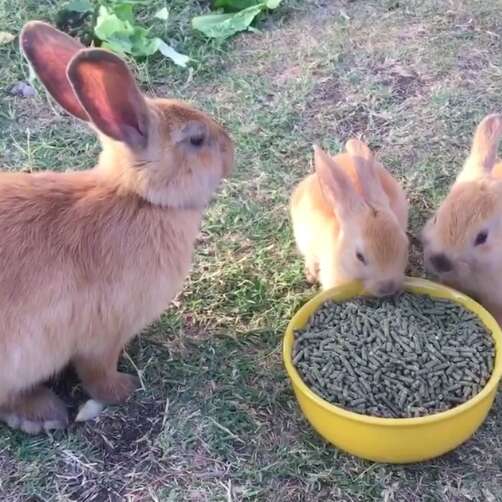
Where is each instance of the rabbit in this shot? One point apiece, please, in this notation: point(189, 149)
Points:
point(89, 258)
point(463, 240)
point(349, 220)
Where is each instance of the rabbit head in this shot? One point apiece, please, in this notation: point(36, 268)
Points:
point(371, 246)
point(167, 151)
point(463, 239)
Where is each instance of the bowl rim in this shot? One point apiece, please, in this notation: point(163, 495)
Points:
point(414, 285)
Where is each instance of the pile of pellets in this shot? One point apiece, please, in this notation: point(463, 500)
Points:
point(402, 356)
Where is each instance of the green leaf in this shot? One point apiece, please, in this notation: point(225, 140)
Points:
point(141, 45)
point(225, 25)
point(114, 3)
point(6, 37)
point(173, 55)
point(211, 24)
point(119, 33)
point(81, 6)
point(234, 5)
point(272, 4)
point(124, 11)
point(162, 14)
point(109, 25)
point(113, 48)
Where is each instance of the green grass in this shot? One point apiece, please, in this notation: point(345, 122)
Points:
point(217, 419)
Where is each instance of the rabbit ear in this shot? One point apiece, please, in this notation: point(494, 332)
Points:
point(483, 155)
point(366, 169)
point(336, 185)
point(49, 51)
point(108, 93)
point(356, 148)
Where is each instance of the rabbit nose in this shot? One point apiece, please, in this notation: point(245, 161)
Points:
point(387, 288)
point(441, 262)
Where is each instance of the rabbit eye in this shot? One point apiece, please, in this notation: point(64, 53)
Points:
point(197, 140)
point(481, 238)
point(361, 257)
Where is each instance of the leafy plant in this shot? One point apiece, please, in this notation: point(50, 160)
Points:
point(234, 5)
point(117, 30)
point(224, 25)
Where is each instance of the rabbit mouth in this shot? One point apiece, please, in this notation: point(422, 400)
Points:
point(384, 288)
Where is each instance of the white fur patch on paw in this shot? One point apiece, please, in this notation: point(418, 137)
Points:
point(13, 421)
point(32, 426)
point(89, 410)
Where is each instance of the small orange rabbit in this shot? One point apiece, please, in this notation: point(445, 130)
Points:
point(349, 220)
point(463, 240)
point(90, 258)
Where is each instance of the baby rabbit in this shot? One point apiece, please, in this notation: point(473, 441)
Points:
point(463, 240)
point(90, 258)
point(349, 221)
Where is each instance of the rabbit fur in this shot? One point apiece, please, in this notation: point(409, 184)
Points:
point(463, 239)
point(349, 220)
point(90, 258)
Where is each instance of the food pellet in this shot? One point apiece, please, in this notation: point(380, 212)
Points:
point(395, 357)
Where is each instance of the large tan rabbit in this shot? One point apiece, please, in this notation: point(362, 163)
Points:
point(463, 240)
point(88, 259)
point(349, 220)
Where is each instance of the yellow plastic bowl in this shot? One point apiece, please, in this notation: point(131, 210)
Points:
point(394, 440)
